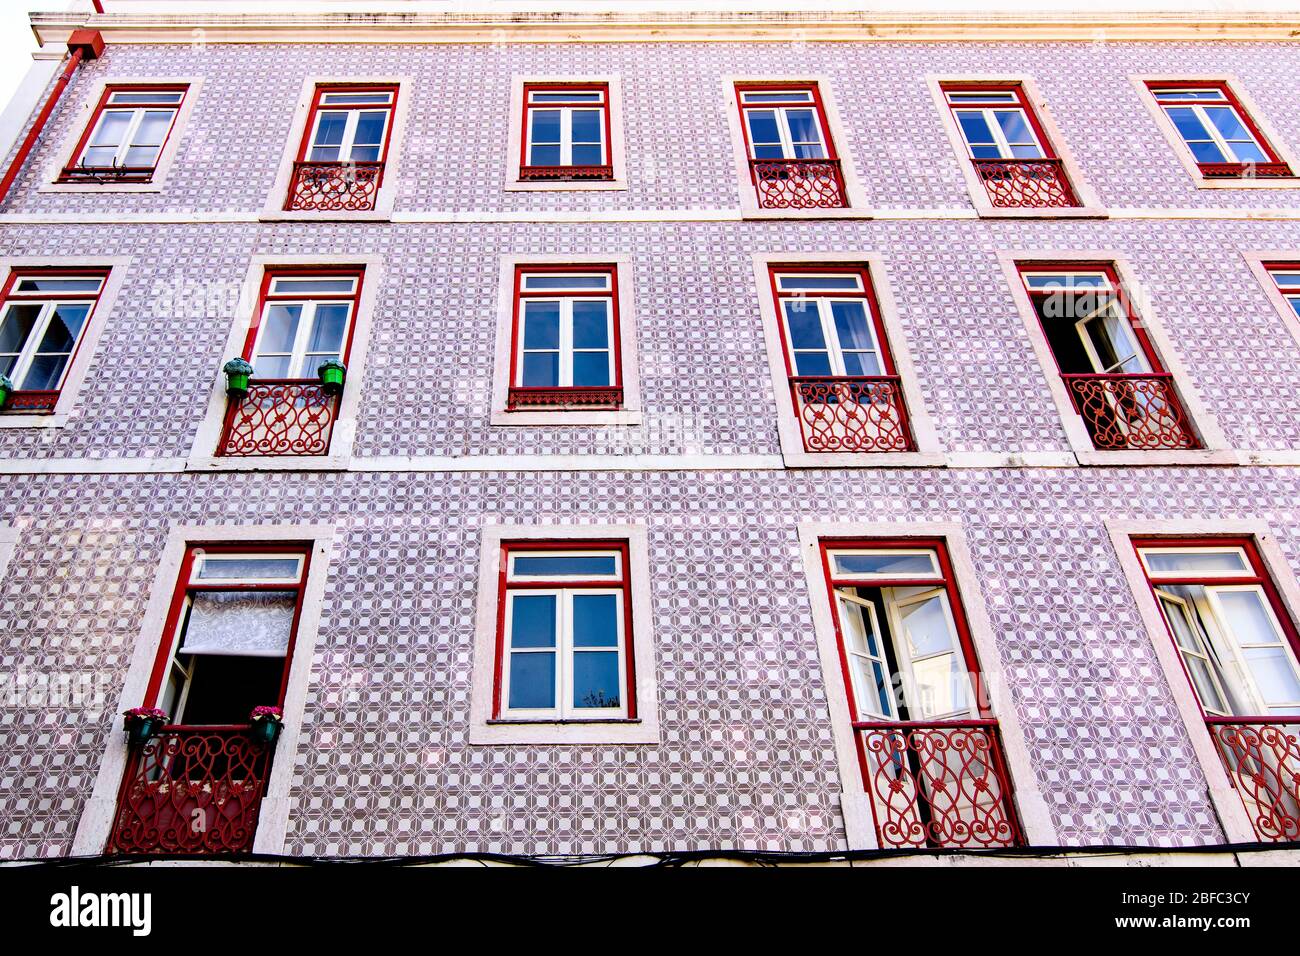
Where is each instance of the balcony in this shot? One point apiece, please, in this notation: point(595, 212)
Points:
point(1131, 412)
point(565, 173)
point(334, 187)
point(1026, 183)
point(599, 397)
point(941, 784)
point(279, 417)
point(798, 183)
point(857, 414)
point(191, 791)
point(106, 175)
point(1262, 757)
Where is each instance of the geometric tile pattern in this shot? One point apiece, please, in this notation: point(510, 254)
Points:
point(747, 759)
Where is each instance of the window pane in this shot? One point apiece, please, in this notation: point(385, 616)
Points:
point(112, 128)
point(331, 323)
point(365, 154)
point(595, 679)
point(873, 687)
point(1188, 124)
point(539, 282)
point(1194, 562)
point(1027, 151)
point(324, 154)
point(940, 687)
point(590, 324)
point(1248, 617)
point(99, 156)
point(17, 326)
point(1205, 689)
point(1271, 668)
point(65, 325)
point(44, 372)
point(895, 563)
point(925, 627)
point(330, 128)
point(532, 681)
point(763, 128)
point(370, 128)
point(852, 324)
point(218, 568)
point(546, 126)
point(1014, 126)
point(541, 369)
point(280, 328)
point(541, 325)
point(809, 151)
point(587, 155)
point(39, 284)
point(805, 325)
point(565, 565)
point(307, 286)
point(1249, 153)
point(591, 369)
point(1207, 152)
point(271, 367)
point(975, 128)
point(141, 156)
point(544, 156)
point(246, 623)
point(812, 363)
point(1227, 122)
point(587, 126)
point(862, 363)
point(841, 283)
point(532, 620)
point(153, 128)
point(595, 620)
point(803, 126)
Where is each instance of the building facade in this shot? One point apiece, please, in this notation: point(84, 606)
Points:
point(727, 433)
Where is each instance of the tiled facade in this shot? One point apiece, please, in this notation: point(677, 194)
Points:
point(746, 759)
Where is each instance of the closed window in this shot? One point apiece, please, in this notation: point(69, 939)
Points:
point(43, 318)
point(787, 123)
point(305, 319)
point(566, 132)
point(125, 135)
point(563, 644)
point(1217, 130)
point(349, 125)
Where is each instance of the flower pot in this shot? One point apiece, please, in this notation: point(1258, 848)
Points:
point(140, 729)
point(6, 389)
point(265, 732)
point(237, 373)
point(332, 375)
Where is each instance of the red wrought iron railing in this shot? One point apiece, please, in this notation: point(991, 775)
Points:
point(279, 417)
point(334, 187)
point(1026, 183)
point(799, 183)
point(1262, 757)
point(563, 173)
point(603, 397)
point(851, 414)
point(1136, 412)
point(192, 791)
point(940, 784)
point(32, 402)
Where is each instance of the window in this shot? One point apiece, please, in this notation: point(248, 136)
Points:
point(915, 696)
point(43, 318)
point(340, 165)
point(792, 158)
point(1008, 147)
point(1105, 357)
point(1237, 644)
point(1286, 276)
point(1222, 138)
point(846, 390)
point(126, 135)
point(567, 132)
point(304, 318)
point(563, 632)
point(566, 338)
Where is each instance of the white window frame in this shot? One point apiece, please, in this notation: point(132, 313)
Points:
point(298, 354)
point(565, 348)
point(566, 112)
point(783, 121)
point(67, 152)
point(1197, 106)
point(49, 305)
point(353, 112)
point(830, 334)
point(615, 152)
point(485, 729)
point(999, 134)
point(133, 126)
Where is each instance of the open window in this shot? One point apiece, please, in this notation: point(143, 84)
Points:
point(1008, 146)
point(44, 315)
point(928, 746)
point(341, 160)
point(565, 625)
point(194, 784)
point(126, 135)
point(1110, 369)
point(793, 163)
point(1241, 655)
point(303, 324)
point(1218, 133)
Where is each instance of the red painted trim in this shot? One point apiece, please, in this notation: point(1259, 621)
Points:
point(182, 88)
point(264, 297)
point(603, 88)
point(1225, 88)
point(868, 294)
point(38, 124)
point(622, 583)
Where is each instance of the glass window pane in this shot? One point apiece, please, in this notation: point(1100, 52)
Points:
point(1015, 127)
point(532, 620)
point(55, 284)
point(595, 620)
point(940, 687)
point(809, 151)
point(532, 681)
point(324, 154)
point(590, 324)
point(330, 127)
point(1194, 562)
point(595, 679)
point(112, 128)
point(1188, 124)
point(1271, 668)
point(591, 369)
point(763, 128)
point(271, 367)
point(279, 328)
point(840, 283)
point(565, 565)
point(1026, 151)
point(986, 152)
point(545, 126)
point(803, 126)
point(365, 154)
point(544, 156)
point(1248, 617)
point(852, 324)
point(542, 281)
point(587, 156)
point(307, 286)
point(1207, 152)
point(862, 363)
point(331, 323)
point(812, 363)
point(1205, 688)
point(541, 325)
point(895, 563)
point(925, 627)
point(874, 688)
point(65, 325)
point(541, 370)
point(17, 326)
point(99, 156)
point(1227, 122)
point(153, 128)
point(44, 373)
point(1249, 153)
point(144, 156)
point(804, 325)
point(975, 128)
point(588, 126)
point(220, 568)
point(243, 623)
point(370, 128)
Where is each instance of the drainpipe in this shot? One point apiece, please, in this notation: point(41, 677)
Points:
point(82, 45)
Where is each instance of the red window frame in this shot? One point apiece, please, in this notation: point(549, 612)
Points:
point(608, 397)
point(529, 172)
point(1022, 102)
point(1261, 577)
point(832, 154)
point(1289, 290)
point(142, 174)
point(868, 294)
point(505, 586)
point(265, 298)
point(316, 107)
point(1276, 166)
point(44, 401)
point(184, 587)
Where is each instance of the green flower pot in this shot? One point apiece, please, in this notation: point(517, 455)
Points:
point(332, 374)
point(140, 729)
point(237, 373)
point(6, 388)
point(265, 732)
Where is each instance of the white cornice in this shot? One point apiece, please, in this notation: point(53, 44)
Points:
point(587, 27)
